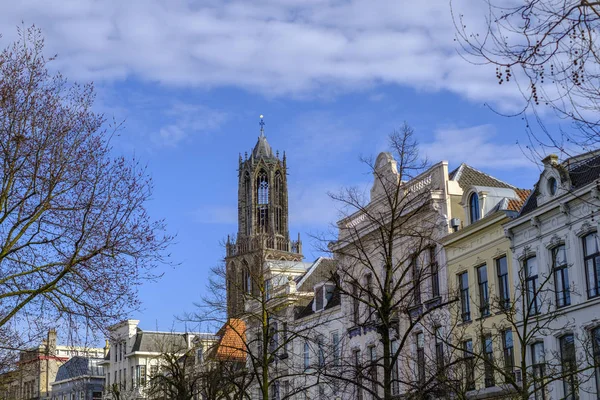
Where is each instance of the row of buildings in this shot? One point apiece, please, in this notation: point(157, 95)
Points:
point(444, 284)
point(441, 284)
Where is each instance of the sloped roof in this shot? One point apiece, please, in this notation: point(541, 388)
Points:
point(78, 367)
point(232, 341)
point(581, 170)
point(159, 342)
point(468, 176)
point(262, 148)
point(517, 204)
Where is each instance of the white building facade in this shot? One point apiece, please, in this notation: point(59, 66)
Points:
point(557, 264)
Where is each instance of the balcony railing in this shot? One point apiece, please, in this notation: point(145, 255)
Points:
point(272, 242)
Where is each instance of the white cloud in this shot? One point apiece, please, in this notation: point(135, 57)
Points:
point(274, 47)
point(477, 146)
point(187, 119)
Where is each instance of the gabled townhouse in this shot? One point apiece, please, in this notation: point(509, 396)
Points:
point(480, 276)
point(556, 268)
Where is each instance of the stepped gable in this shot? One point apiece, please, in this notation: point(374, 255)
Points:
point(467, 176)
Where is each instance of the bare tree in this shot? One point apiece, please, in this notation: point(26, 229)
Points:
point(520, 367)
point(259, 341)
point(549, 50)
point(388, 272)
point(75, 237)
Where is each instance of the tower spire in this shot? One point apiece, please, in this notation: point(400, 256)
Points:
point(262, 126)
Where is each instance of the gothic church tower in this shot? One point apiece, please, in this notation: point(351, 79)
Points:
point(263, 233)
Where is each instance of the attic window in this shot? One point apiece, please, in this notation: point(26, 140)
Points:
point(474, 208)
point(323, 294)
point(552, 186)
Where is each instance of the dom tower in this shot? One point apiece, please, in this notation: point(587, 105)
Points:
point(263, 234)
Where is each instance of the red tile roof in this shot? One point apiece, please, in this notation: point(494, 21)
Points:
point(516, 204)
point(232, 342)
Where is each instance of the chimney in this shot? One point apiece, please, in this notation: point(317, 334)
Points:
point(551, 159)
point(51, 342)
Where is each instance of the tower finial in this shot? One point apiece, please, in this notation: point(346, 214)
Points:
point(262, 126)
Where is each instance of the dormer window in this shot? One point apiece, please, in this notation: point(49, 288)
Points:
point(474, 208)
point(323, 293)
point(552, 186)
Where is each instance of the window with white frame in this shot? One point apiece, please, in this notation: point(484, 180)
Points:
point(591, 253)
point(561, 276)
point(323, 294)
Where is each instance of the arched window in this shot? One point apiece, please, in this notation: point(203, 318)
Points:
point(248, 199)
point(262, 198)
point(474, 207)
point(247, 279)
point(278, 197)
point(262, 186)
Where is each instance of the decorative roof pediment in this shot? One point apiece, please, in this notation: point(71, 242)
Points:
point(385, 173)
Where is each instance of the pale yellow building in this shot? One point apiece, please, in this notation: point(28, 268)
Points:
point(480, 276)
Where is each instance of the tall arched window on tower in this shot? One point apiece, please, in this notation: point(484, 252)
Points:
point(262, 197)
point(474, 208)
point(278, 197)
point(248, 204)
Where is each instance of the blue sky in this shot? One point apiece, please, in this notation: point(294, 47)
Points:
point(332, 77)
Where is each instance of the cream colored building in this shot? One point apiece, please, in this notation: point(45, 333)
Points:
point(37, 368)
point(479, 265)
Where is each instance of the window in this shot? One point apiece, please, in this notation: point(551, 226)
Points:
point(416, 277)
point(503, 288)
point(357, 368)
point(133, 377)
point(488, 359)
point(435, 274)
point(531, 281)
point(395, 374)
point(439, 349)
point(463, 282)
point(561, 276)
point(484, 299)
point(153, 370)
point(569, 367)
point(596, 349)
point(552, 186)
point(420, 339)
point(273, 337)
point(247, 279)
point(140, 375)
point(319, 298)
point(275, 391)
point(285, 338)
point(262, 196)
point(509, 354)
point(538, 363)
point(592, 264)
point(199, 355)
point(474, 208)
point(306, 354)
point(373, 367)
point(469, 364)
point(369, 286)
point(268, 289)
point(323, 294)
point(355, 305)
point(335, 339)
point(321, 351)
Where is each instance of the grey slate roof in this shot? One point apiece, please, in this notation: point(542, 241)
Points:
point(468, 176)
point(262, 148)
point(78, 367)
point(159, 342)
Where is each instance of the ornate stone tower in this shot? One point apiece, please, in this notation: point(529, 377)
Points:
point(263, 233)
